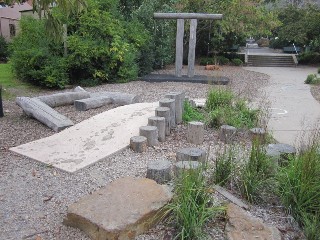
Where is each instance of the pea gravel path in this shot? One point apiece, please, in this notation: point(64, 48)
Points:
point(34, 197)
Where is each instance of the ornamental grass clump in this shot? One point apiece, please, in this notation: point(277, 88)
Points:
point(257, 175)
point(299, 189)
point(225, 108)
point(192, 207)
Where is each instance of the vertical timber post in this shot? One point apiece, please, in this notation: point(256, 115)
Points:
point(179, 47)
point(65, 52)
point(1, 108)
point(192, 47)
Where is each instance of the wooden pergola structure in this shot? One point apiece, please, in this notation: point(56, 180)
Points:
point(193, 38)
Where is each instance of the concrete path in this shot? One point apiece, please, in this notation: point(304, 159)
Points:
point(91, 140)
point(294, 112)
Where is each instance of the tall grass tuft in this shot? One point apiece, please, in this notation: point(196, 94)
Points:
point(225, 108)
point(257, 175)
point(299, 189)
point(224, 167)
point(191, 206)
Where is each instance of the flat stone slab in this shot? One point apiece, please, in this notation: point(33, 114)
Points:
point(196, 79)
point(91, 140)
point(122, 210)
point(242, 225)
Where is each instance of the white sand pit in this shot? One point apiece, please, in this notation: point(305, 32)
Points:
point(91, 140)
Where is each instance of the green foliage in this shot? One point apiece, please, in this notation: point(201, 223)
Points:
point(300, 25)
point(191, 113)
point(237, 62)
point(222, 60)
point(191, 206)
point(257, 175)
point(309, 58)
point(299, 188)
point(225, 108)
point(224, 167)
point(35, 59)
point(312, 79)
point(4, 52)
point(279, 43)
point(206, 61)
point(218, 97)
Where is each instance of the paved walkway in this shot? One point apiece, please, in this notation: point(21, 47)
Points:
point(91, 140)
point(294, 111)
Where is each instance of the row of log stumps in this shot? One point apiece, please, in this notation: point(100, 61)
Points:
point(167, 115)
point(187, 159)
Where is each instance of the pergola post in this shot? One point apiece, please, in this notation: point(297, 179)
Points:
point(192, 47)
point(179, 47)
point(193, 36)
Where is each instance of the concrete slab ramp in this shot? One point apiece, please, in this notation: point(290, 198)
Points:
point(91, 140)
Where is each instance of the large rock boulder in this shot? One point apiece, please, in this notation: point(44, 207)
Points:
point(122, 210)
point(241, 226)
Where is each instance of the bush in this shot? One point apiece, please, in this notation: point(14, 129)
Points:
point(222, 60)
point(35, 58)
point(278, 43)
point(312, 79)
point(191, 206)
point(4, 52)
point(191, 114)
point(206, 61)
point(299, 185)
point(309, 58)
point(257, 175)
point(237, 62)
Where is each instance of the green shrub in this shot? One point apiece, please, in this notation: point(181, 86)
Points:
point(309, 58)
point(237, 62)
point(222, 60)
point(191, 206)
point(299, 186)
point(4, 52)
point(191, 113)
point(35, 58)
point(206, 61)
point(312, 79)
point(256, 178)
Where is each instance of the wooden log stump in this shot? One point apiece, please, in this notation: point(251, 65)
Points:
point(160, 123)
point(179, 98)
point(185, 166)
point(170, 103)
point(258, 135)
point(165, 112)
point(195, 132)
point(227, 133)
point(191, 154)
point(138, 144)
point(151, 133)
point(159, 171)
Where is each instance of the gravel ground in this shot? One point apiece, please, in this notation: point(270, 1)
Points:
point(34, 197)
